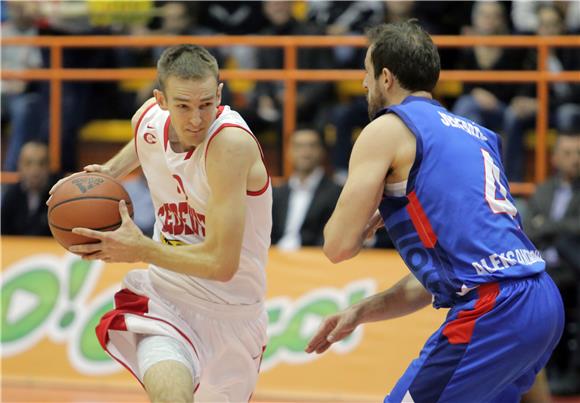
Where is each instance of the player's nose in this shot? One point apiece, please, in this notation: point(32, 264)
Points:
point(195, 119)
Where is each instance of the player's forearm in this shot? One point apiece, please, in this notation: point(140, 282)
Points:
point(123, 162)
point(405, 297)
point(197, 260)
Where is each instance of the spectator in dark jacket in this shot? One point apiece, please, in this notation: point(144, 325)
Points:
point(303, 205)
point(24, 211)
point(552, 221)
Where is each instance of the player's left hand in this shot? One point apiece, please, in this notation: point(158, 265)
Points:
point(121, 245)
point(373, 225)
point(333, 329)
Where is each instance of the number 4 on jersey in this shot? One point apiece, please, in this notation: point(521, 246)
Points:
point(493, 185)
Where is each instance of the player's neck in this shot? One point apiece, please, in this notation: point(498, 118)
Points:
point(176, 145)
point(398, 97)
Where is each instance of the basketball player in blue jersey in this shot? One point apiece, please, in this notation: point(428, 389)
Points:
point(435, 180)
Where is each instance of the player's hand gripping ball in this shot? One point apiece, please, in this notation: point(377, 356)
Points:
point(88, 200)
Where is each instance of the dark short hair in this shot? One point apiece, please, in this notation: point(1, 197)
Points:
point(190, 62)
point(408, 52)
point(312, 129)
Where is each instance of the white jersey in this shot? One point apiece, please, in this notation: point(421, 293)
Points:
point(180, 191)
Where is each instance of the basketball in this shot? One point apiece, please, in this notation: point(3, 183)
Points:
point(88, 200)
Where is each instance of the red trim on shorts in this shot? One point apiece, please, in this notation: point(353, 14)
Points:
point(223, 126)
point(259, 365)
point(261, 358)
point(125, 366)
point(460, 330)
point(166, 132)
point(127, 302)
point(136, 129)
point(420, 221)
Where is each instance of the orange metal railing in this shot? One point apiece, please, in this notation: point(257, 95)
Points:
point(290, 74)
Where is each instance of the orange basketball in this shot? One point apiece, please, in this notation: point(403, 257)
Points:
point(88, 200)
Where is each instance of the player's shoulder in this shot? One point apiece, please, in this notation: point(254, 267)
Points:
point(147, 105)
point(232, 141)
point(233, 137)
point(387, 130)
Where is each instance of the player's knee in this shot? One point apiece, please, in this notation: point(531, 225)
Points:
point(169, 381)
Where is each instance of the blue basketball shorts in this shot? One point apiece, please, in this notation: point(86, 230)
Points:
point(490, 347)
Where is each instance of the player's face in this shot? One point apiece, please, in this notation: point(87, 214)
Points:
point(375, 97)
point(192, 105)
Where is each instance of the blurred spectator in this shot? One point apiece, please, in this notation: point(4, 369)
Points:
point(552, 221)
point(23, 103)
point(525, 17)
point(564, 98)
point(346, 18)
point(302, 206)
point(81, 100)
point(143, 210)
point(179, 18)
point(234, 18)
point(24, 211)
point(268, 97)
point(485, 103)
point(443, 17)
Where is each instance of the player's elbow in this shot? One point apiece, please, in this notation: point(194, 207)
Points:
point(338, 251)
point(226, 270)
point(224, 276)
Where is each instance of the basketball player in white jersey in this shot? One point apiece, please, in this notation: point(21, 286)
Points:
point(196, 317)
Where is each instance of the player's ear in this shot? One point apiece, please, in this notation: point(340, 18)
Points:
point(219, 93)
point(160, 98)
point(387, 78)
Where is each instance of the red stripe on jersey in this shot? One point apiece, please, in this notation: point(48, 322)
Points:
point(223, 126)
point(166, 132)
point(259, 192)
point(460, 330)
point(136, 129)
point(420, 221)
point(189, 153)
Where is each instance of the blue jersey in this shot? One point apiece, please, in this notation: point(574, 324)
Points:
point(457, 226)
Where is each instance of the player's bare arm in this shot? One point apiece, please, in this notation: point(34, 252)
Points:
point(231, 157)
point(405, 297)
point(375, 152)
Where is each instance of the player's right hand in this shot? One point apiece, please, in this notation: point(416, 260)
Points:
point(333, 329)
point(88, 168)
